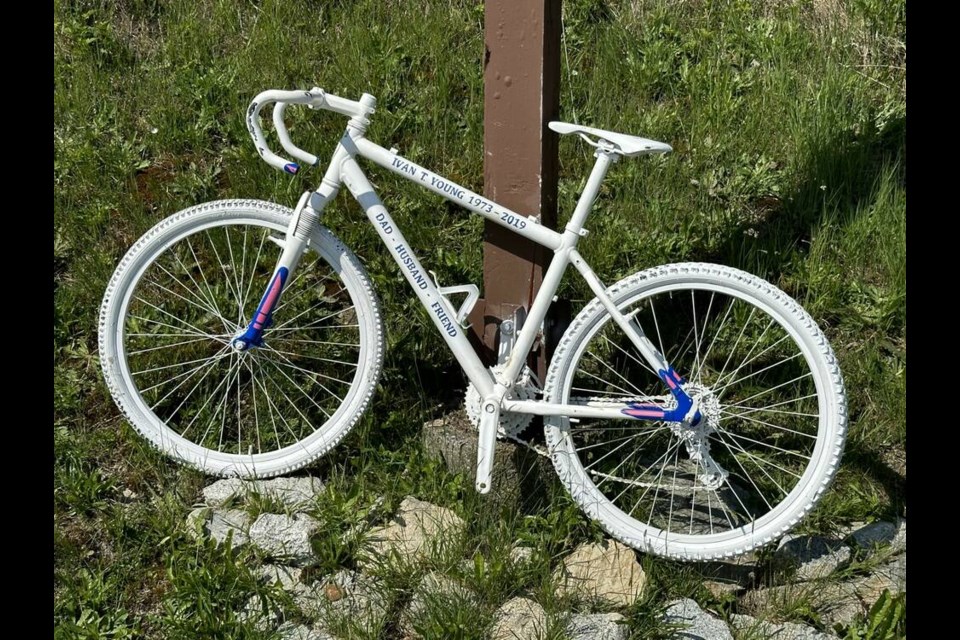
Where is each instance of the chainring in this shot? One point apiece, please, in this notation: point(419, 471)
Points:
point(511, 424)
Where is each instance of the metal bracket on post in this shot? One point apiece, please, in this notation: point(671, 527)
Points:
point(507, 334)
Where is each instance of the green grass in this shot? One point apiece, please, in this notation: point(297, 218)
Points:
point(788, 121)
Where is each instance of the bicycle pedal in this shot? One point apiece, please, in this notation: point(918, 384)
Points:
point(486, 444)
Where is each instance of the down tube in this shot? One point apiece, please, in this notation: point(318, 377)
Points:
point(439, 310)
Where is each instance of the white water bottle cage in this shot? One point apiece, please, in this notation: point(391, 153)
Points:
point(473, 294)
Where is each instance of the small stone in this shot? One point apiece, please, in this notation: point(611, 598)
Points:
point(224, 523)
point(288, 577)
point(696, 623)
point(607, 571)
point(433, 588)
point(283, 536)
point(418, 528)
point(197, 522)
point(873, 534)
point(521, 555)
point(597, 626)
point(781, 631)
point(346, 597)
point(722, 590)
point(813, 556)
point(290, 631)
point(519, 619)
point(129, 494)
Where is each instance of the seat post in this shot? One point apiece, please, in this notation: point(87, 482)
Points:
point(606, 156)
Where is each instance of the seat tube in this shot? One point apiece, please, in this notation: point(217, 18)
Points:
point(605, 158)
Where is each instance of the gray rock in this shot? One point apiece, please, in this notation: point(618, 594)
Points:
point(597, 626)
point(835, 602)
point(288, 577)
point(891, 576)
point(345, 599)
point(197, 522)
point(283, 536)
point(259, 613)
point(418, 529)
point(813, 556)
point(521, 555)
point(224, 523)
point(519, 619)
point(722, 590)
point(290, 631)
point(755, 628)
point(899, 542)
point(434, 590)
point(520, 476)
point(294, 493)
point(696, 624)
point(222, 491)
point(607, 571)
point(873, 534)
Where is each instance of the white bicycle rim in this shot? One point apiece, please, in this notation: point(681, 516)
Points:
point(114, 357)
point(830, 433)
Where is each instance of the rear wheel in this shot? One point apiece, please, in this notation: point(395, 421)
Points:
point(766, 380)
point(180, 295)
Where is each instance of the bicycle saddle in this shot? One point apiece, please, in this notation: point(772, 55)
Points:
point(625, 145)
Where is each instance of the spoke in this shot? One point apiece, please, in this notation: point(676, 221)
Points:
point(719, 391)
point(701, 360)
point(167, 346)
point(209, 398)
point(170, 315)
point(326, 342)
point(253, 394)
point(308, 310)
point(755, 457)
point(256, 261)
point(782, 384)
point(607, 382)
point(219, 356)
point(303, 392)
point(767, 410)
point(631, 356)
point(605, 442)
point(202, 304)
point(310, 327)
point(274, 410)
point(775, 426)
point(746, 358)
point(223, 268)
point(171, 366)
point(605, 393)
point(233, 268)
point(203, 276)
point(736, 344)
point(673, 494)
point(723, 322)
point(288, 363)
point(285, 301)
point(303, 355)
point(241, 297)
point(776, 404)
point(765, 444)
point(696, 342)
point(615, 372)
point(611, 452)
point(307, 421)
point(638, 427)
point(656, 325)
point(749, 477)
point(674, 447)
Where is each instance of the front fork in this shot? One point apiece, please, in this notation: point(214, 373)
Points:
point(296, 240)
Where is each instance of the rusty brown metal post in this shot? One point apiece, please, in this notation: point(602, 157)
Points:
point(521, 84)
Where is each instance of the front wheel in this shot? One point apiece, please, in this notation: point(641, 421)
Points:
point(169, 315)
point(767, 384)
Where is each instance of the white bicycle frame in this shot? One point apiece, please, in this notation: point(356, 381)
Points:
point(343, 169)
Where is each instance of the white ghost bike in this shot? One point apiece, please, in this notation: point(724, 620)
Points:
point(694, 410)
